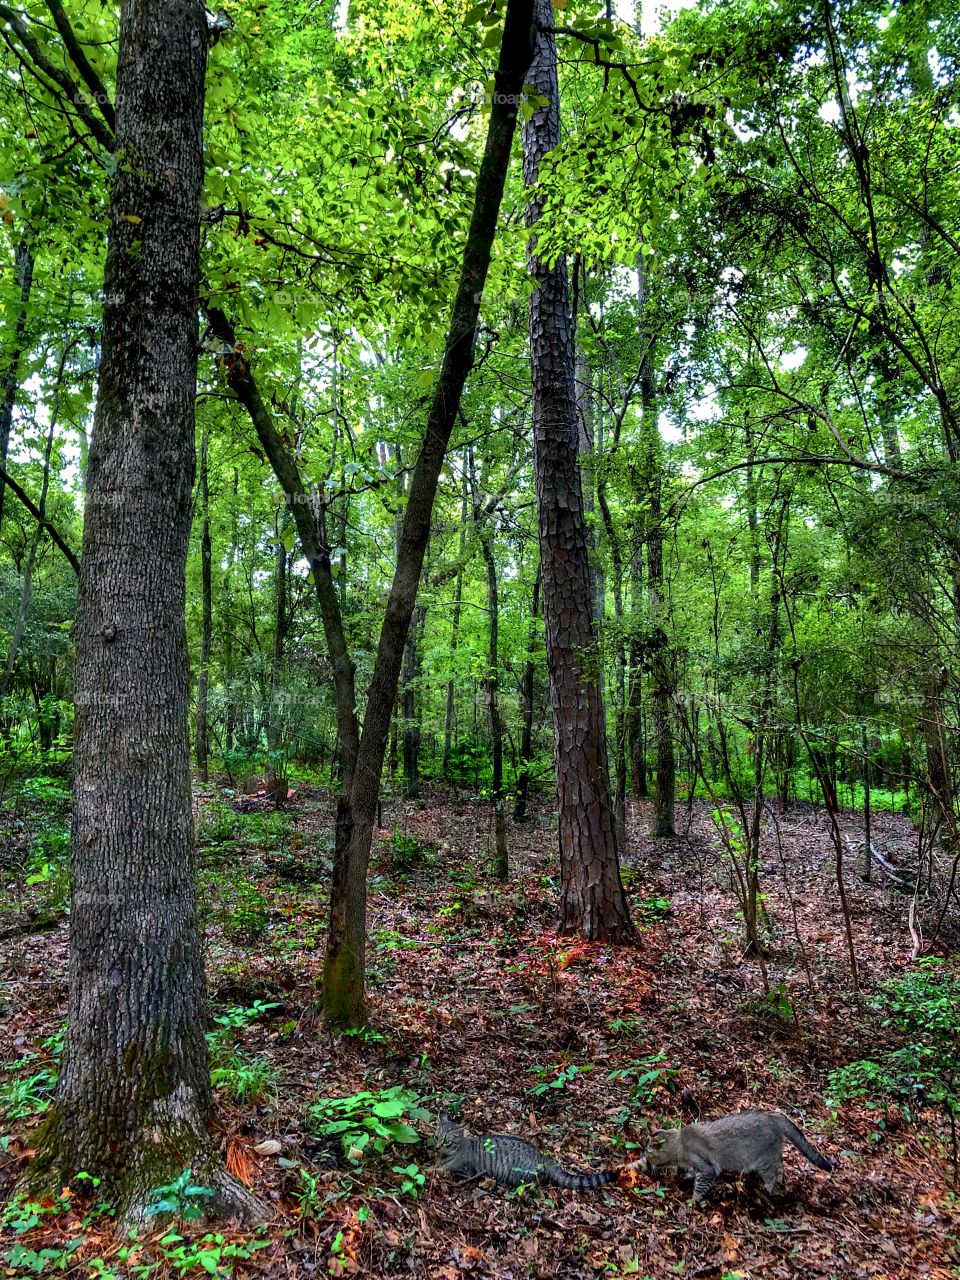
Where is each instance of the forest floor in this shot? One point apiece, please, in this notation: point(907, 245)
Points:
point(477, 1005)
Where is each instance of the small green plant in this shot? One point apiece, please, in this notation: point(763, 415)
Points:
point(555, 1077)
point(211, 1254)
point(413, 1179)
point(366, 1119)
point(625, 1028)
point(650, 910)
point(235, 1020)
point(24, 1261)
point(246, 916)
point(404, 853)
point(775, 1003)
point(181, 1198)
point(21, 1214)
point(218, 824)
point(45, 790)
point(309, 1194)
point(647, 1076)
point(244, 1079)
point(28, 1095)
point(394, 940)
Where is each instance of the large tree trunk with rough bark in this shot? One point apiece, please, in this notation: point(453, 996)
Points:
point(133, 1100)
point(592, 900)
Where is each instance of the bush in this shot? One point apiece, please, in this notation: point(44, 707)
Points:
point(367, 1119)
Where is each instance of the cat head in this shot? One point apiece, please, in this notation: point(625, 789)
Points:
point(448, 1134)
point(663, 1149)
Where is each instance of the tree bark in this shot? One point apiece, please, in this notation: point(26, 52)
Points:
point(592, 901)
point(133, 1099)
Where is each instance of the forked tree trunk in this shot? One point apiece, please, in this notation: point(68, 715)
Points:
point(345, 960)
point(133, 1100)
point(592, 900)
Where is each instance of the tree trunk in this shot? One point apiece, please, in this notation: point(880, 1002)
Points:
point(587, 449)
point(592, 900)
point(133, 1099)
point(527, 687)
point(10, 369)
point(206, 628)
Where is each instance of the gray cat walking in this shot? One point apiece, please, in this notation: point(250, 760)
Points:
point(511, 1161)
point(751, 1142)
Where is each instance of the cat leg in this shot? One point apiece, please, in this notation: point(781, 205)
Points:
point(771, 1173)
point(702, 1182)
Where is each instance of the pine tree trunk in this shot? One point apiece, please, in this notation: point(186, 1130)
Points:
point(133, 1099)
point(592, 900)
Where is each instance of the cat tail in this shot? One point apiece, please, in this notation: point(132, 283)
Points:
point(793, 1134)
point(576, 1181)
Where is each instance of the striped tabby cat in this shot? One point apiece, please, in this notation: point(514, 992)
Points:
point(511, 1161)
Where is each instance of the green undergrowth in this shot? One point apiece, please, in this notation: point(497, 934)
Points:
point(54, 1236)
point(922, 1007)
